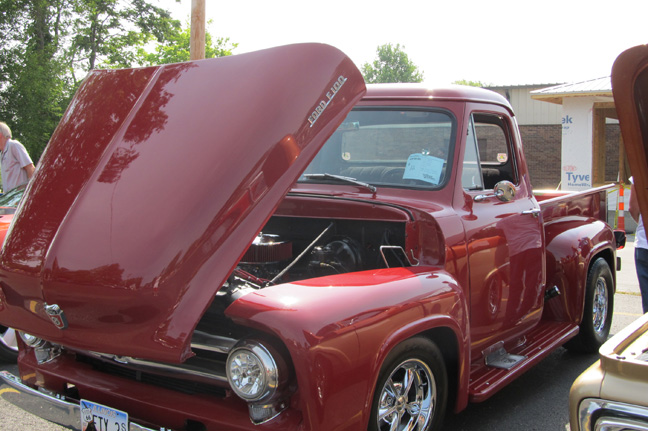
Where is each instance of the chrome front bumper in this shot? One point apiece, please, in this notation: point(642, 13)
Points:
point(603, 415)
point(49, 406)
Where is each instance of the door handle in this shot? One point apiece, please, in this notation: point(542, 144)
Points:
point(535, 212)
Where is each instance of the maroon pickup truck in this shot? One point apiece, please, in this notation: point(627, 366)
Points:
point(260, 242)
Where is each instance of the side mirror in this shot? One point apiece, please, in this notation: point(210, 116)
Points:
point(504, 191)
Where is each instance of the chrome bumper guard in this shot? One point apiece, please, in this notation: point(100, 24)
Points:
point(602, 415)
point(49, 406)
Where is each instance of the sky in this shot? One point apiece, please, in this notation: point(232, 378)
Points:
point(497, 42)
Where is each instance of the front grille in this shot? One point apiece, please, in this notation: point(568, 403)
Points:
point(172, 383)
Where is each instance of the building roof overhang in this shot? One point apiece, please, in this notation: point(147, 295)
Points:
point(599, 87)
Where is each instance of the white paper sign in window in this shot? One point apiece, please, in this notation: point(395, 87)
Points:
point(424, 168)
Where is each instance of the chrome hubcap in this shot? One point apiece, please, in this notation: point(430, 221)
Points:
point(600, 305)
point(8, 338)
point(408, 398)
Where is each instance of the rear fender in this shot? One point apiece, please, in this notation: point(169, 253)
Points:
point(572, 245)
point(339, 330)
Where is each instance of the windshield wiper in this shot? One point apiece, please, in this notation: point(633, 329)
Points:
point(340, 178)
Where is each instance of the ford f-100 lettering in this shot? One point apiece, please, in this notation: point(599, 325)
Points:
point(262, 242)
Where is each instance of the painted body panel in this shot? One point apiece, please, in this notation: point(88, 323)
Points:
point(506, 253)
point(337, 351)
point(135, 281)
point(133, 150)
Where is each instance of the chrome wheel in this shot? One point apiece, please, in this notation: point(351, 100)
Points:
point(600, 306)
point(8, 344)
point(408, 398)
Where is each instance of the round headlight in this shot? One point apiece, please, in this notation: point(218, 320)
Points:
point(30, 340)
point(252, 371)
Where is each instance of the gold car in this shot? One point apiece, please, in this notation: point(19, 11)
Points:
point(612, 394)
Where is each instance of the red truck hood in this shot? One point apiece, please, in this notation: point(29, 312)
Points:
point(152, 187)
point(630, 90)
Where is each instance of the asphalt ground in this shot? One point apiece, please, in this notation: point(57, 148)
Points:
point(538, 400)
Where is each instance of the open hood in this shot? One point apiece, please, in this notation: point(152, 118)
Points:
point(153, 186)
point(630, 89)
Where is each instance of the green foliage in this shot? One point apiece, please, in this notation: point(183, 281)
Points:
point(48, 46)
point(110, 33)
point(176, 48)
point(32, 94)
point(392, 65)
point(470, 83)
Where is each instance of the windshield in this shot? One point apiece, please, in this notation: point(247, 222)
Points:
point(388, 147)
point(12, 198)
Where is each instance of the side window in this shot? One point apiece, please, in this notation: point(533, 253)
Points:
point(494, 144)
point(471, 177)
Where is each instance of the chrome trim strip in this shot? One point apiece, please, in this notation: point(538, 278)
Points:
point(198, 370)
point(615, 413)
point(619, 424)
point(49, 406)
point(213, 343)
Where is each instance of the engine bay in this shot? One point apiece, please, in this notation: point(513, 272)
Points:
point(291, 249)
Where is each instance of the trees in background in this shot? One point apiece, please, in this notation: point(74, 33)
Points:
point(175, 49)
point(391, 65)
point(109, 33)
point(32, 93)
point(48, 46)
point(470, 83)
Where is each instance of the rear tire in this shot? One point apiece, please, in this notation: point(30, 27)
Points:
point(597, 315)
point(412, 389)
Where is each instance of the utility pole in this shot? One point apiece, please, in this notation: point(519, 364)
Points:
point(197, 38)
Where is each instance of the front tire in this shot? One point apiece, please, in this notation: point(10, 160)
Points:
point(412, 389)
point(599, 305)
point(8, 345)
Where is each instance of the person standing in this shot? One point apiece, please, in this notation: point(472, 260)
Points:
point(16, 167)
point(641, 248)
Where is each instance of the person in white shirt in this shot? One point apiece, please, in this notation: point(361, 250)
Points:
point(16, 167)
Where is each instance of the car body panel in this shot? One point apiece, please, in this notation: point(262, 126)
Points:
point(110, 253)
point(331, 343)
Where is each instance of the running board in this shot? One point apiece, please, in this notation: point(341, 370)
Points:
point(541, 341)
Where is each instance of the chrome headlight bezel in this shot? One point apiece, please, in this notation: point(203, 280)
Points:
point(252, 371)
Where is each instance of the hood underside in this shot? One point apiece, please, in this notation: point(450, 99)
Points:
point(152, 187)
point(630, 90)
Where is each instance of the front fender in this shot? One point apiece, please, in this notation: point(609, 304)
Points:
point(339, 329)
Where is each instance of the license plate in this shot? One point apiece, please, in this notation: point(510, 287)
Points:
point(97, 417)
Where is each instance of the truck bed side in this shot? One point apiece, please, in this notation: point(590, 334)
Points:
point(588, 203)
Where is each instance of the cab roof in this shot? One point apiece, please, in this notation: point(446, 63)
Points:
point(461, 93)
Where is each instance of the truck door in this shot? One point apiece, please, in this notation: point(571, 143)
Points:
point(504, 238)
